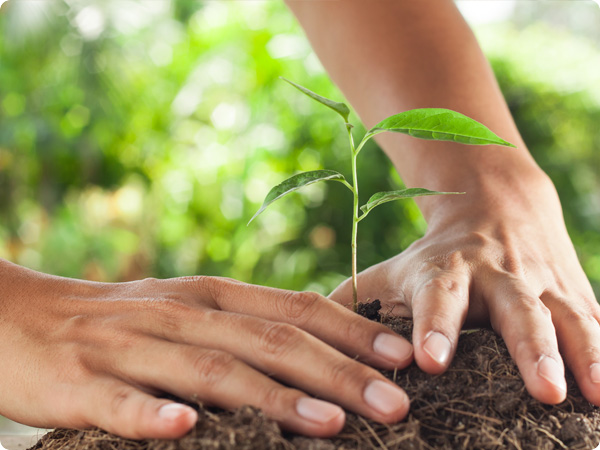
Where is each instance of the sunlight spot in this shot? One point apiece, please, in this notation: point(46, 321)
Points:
point(187, 100)
point(288, 46)
point(161, 54)
point(90, 22)
point(227, 116)
point(477, 12)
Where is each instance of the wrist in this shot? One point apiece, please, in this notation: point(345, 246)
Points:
point(20, 283)
point(494, 194)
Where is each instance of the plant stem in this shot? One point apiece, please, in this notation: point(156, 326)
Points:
point(354, 221)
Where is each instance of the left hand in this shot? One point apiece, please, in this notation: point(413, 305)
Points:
point(508, 263)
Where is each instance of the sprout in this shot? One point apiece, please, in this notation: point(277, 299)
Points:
point(426, 123)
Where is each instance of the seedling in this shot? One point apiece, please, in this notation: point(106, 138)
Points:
point(426, 123)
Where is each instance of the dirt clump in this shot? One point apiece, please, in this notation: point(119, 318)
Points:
point(479, 403)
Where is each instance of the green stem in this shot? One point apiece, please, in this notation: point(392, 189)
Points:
point(365, 139)
point(348, 185)
point(354, 222)
point(361, 144)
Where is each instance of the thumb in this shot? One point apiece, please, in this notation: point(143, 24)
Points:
point(373, 283)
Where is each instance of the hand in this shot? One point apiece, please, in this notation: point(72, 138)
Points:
point(507, 262)
point(78, 354)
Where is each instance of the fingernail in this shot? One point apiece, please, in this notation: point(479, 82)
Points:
point(385, 397)
point(172, 411)
point(595, 373)
point(438, 347)
point(392, 347)
point(317, 410)
point(550, 370)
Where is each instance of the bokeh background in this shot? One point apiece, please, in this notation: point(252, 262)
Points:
point(137, 138)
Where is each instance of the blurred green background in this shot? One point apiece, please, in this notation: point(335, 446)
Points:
point(137, 138)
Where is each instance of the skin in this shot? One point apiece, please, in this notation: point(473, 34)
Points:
point(499, 255)
point(86, 354)
point(94, 354)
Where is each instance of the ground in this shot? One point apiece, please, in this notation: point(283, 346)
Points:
point(479, 403)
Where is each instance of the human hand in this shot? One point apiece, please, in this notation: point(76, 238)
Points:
point(504, 260)
point(78, 354)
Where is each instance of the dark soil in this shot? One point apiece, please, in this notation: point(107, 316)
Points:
point(479, 403)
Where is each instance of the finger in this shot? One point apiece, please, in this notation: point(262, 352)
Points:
point(372, 284)
point(297, 358)
point(579, 340)
point(217, 378)
point(355, 336)
point(121, 409)
point(525, 323)
point(439, 308)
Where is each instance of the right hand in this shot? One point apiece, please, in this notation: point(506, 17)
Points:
point(78, 354)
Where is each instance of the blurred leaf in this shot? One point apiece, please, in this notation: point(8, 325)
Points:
point(296, 182)
point(440, 125)
point(383, 197)
point(340, 108)
point(149, 123)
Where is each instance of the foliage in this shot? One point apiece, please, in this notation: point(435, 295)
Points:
point(426, 123)
point(138, 142)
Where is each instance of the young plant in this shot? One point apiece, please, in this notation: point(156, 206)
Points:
point(426, 123)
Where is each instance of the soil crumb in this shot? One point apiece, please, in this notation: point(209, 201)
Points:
point(479, 403)
point(370, 310)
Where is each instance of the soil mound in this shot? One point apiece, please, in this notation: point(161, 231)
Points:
point(479, 403)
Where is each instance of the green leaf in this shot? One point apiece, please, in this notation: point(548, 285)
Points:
point(296, 182)
point(339, 108)
point(389, 196)
point(440, 125)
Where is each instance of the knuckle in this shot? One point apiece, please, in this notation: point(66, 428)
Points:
point(455, 260)
point(215, 288)
point(170, 315)
point(512, 264)
point(346, 373)
point(357, 329)
point(524, 350)
point(212, 366)
point(446, 284)
point(274, 398)
point(276, 339)
point(577, 316)
point(207, 285)
point(150, 281)
point(76, 327)
point(531, 305)
point(478, 239)
point(298, 307)
point(590, 303)
point(119, 402)
point(171, 307)
point(533, 348)
point(446, 261)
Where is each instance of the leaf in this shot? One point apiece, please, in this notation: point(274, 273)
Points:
point(340, 108)
point(296, 182)
point(438, 124)
point(389, 196)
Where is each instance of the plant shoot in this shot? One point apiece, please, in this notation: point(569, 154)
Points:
point(426, 123)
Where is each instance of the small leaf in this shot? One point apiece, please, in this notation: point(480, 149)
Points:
point(296, 182)
point(389, 196)
point(440, 125)
point(339, 108)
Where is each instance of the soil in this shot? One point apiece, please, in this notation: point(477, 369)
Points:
point(479, 403)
